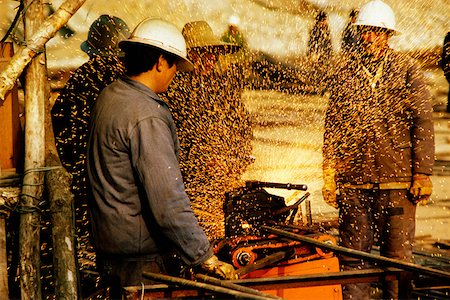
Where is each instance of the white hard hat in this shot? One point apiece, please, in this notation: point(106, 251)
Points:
point(378, 14)
point(234, 20)
point(163, 35)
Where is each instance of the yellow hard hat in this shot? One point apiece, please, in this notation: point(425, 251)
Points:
point(199, 34)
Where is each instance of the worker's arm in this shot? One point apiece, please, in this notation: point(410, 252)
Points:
point(156, 164)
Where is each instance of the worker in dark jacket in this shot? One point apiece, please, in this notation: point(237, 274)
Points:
point(378, 147)
point(350, 36)
point(320, 47)
point(445, 64)
point(72, 111)
point(213, 125)
point(140, 210)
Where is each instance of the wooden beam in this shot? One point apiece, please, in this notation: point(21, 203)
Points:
point(4, 292)
point(33, 181)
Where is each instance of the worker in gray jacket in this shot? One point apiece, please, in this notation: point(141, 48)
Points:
point(378, 146)
point(141, 210)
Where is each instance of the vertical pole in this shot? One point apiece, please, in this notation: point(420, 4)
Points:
point(57, 182)
point(33, 184)
point(4, 293)
point(308, 213)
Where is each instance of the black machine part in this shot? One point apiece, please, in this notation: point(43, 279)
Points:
point(247, 208)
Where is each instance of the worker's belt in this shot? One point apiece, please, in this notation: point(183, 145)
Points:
point(379, 186)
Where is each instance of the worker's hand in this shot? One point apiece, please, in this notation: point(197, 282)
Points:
point(329, 187)
point(421, 188)
point(219, 268)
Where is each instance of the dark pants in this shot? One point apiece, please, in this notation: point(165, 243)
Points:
point(118, 272)
point(369, 216)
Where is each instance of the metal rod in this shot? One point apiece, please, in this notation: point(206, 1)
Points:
point(233, 286)
point(431, 255)
point(360, 254)
point(200, 285)
point(321, 279)
point(264, 262)
point(312, 229)
point(288, 186)
point(293, 206)
point(308, 213)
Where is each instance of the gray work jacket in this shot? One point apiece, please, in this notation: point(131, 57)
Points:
point(140, 206)
point(379, 128)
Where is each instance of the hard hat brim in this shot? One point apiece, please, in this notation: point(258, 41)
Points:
point(394, 30)
point(89, 50)
point(222, 48)
point(183, 64)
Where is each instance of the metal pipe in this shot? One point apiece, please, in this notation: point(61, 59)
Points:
point(360, 254)
point(308, 213)
point(288, 186)
point(291, 207)
point(200, 285)
point(233, 286)
point(264, 262)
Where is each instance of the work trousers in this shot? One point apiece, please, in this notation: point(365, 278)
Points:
point(368, 216)
point(118, 272)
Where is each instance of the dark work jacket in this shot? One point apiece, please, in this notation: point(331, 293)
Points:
point(381, 134)
point(72, 111)
point(445, 59)
point(140, 206)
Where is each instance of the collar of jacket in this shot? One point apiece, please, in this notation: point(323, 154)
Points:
point(143, 89)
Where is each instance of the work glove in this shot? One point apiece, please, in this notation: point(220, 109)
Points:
point(218, 268)
point(421, 188)
point(329, 187)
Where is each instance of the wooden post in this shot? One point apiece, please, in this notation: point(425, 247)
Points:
point(4, 292)
point(63, 231)
point(33, 181)
point(57, 182)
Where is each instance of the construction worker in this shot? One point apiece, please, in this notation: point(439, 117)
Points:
point(378, 147)
point(445, 65)
point(233, 35)
point(140, 210)
point(320, 47)
point(350, 34)
point(72, 110)
point(213, 125)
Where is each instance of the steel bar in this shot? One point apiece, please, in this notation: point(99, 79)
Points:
point(360, 254)
point(308, 213)
point(313, 228)
point(430, 295)
point(233, 286)
point(281, 282)
point(291, 207)
point(436, 256)
point(322, 279)
point(203, 286)
point(264, 262)
point(287, 186)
